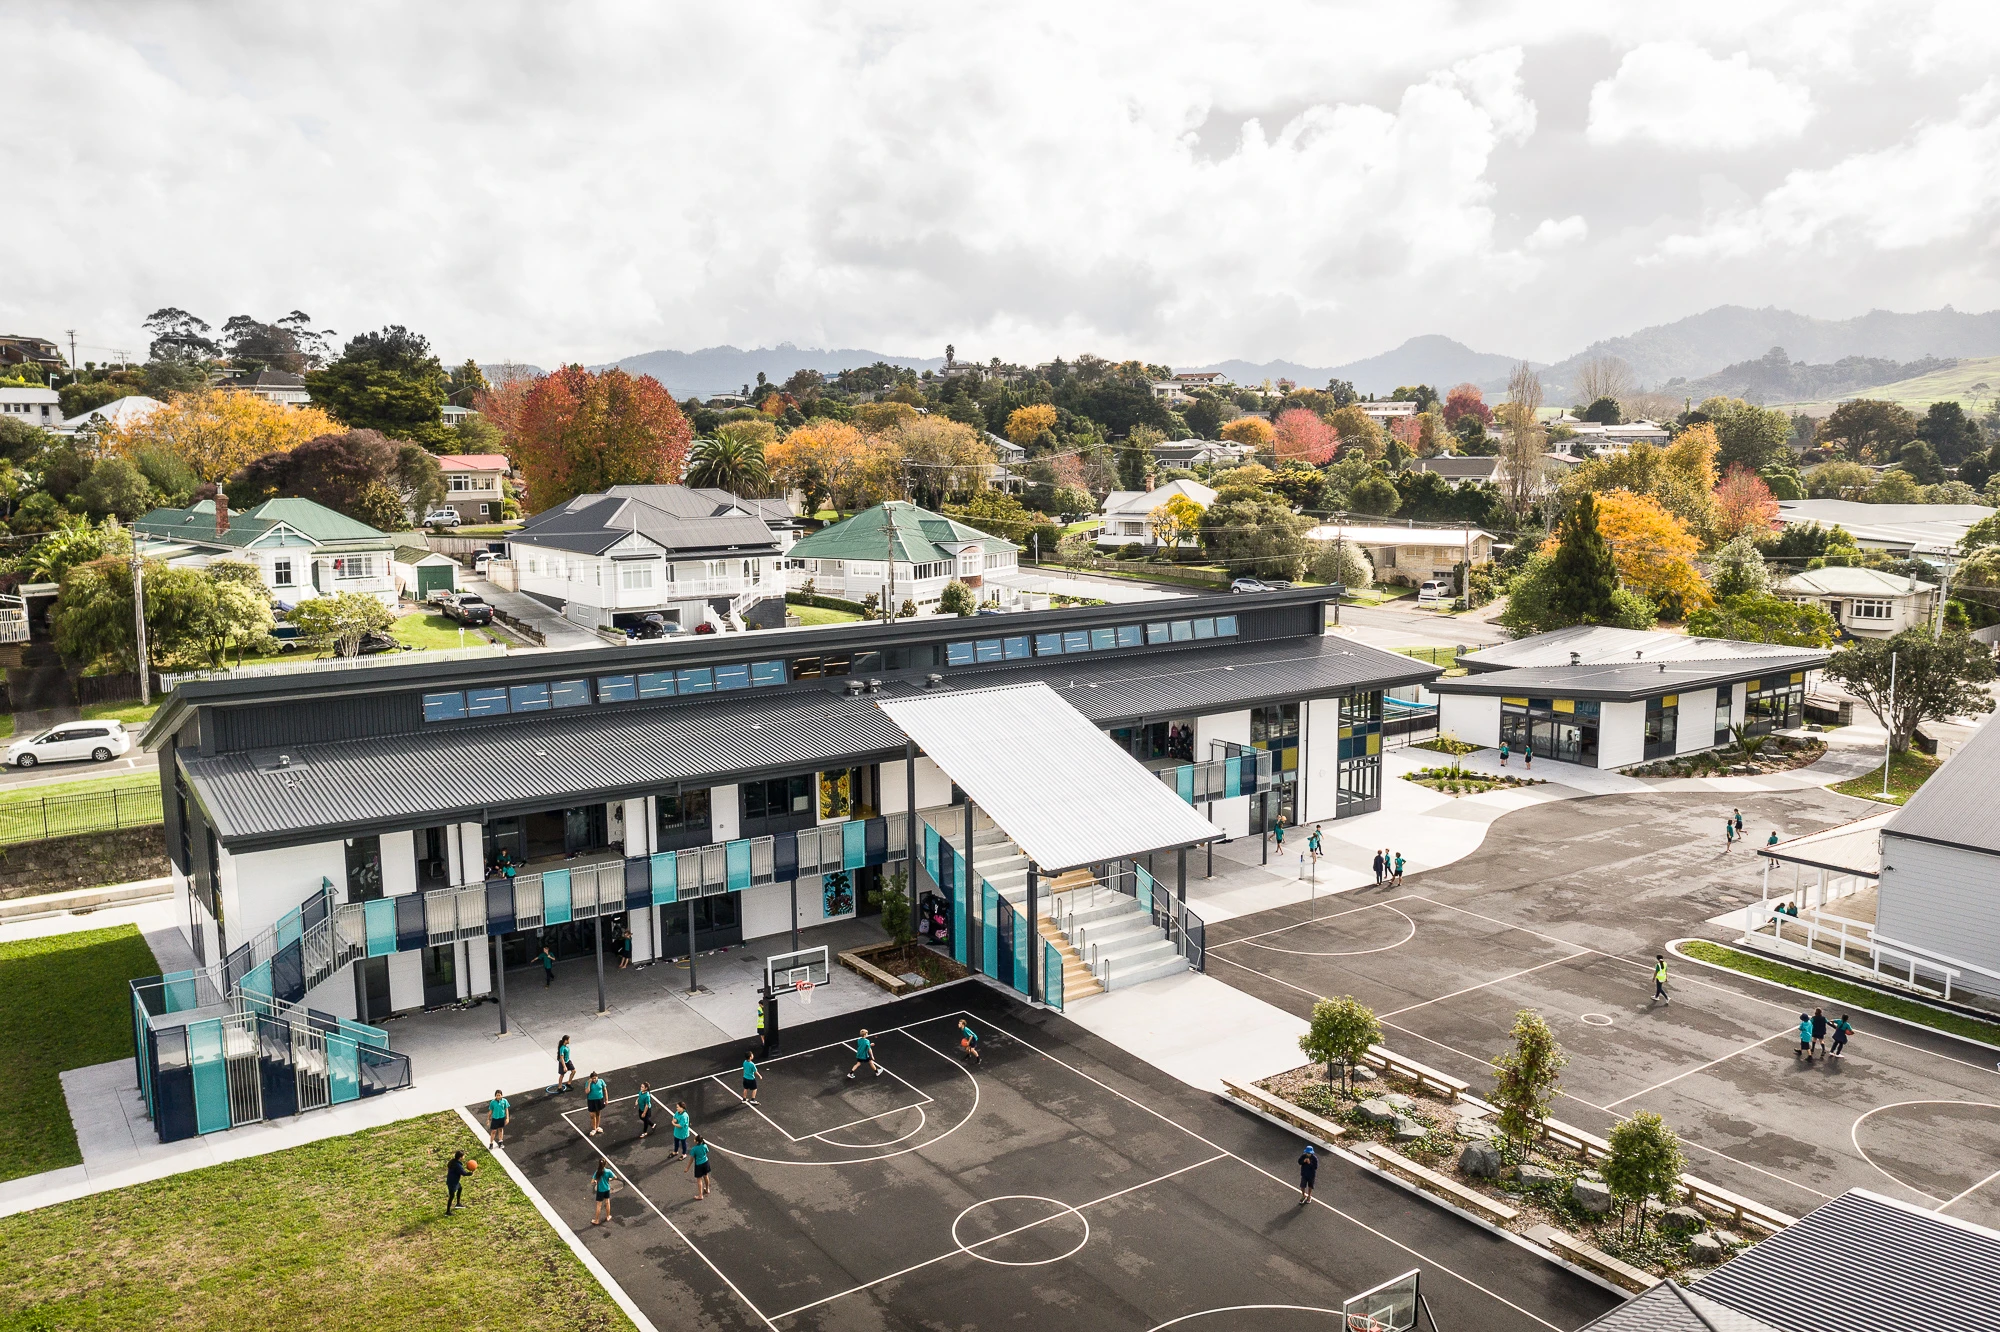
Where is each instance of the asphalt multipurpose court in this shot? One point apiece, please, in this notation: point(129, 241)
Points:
point(1060, 1180)
point(1562, 910)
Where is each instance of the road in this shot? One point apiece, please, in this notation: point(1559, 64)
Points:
point(136, 764)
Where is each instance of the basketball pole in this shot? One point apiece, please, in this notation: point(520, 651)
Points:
point(692, 987)
point(597, 941)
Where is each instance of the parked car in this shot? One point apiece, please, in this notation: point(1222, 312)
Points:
point(1433, 589)
point(98, 741)
point(287, 636)
point(445, 517)
point(1249, 585)
point(370, 645)
point(465, 607)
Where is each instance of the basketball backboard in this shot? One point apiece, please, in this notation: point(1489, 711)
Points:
point(1389, 1307)
point(784, 971)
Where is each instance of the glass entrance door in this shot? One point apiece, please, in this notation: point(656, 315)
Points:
point(440, 975)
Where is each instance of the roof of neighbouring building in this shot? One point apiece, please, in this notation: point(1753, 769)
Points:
point(1459, 468)
point(1922, 527)
point(1672, 1307)
point(196, 524)
point(1956, 805)
point(1848, 581)
point(1624, 681)
point(1594, 644)
point(1145, 501)
point(896, 530)
point(1367, 535)
point(678, 519)
point(18, 393)
point(264, 379)
point(131, 407)
point(473, 462)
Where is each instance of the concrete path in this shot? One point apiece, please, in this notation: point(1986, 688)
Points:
point(559, 632)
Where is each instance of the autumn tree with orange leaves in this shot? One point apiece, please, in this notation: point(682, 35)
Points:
point(581, 432)
point(1252, 430)
point(1654, 551)
point(1743, 503)
point(1302, 435)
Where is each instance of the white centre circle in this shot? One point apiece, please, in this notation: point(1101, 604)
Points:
point(1597, 1019)
point(1409, 933)
point(1061, 1207)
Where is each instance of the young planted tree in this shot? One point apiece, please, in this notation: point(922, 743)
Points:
point(957, 599)
point(1933, 679)
point(1645, 1162)
point(1526, 1078)
point(341, 621)
point(1341, 1031)
point(893, 899)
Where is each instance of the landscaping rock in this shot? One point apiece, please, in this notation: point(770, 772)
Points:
point(1409, 1130)
point(1729, 1238)
point(1683, 1221)
point(1591, 1195)
point(1481, 1160)
point(1359, 1073)
point(1706, 1248)
point(1376, 1111)
point(1400, 1101)
point(1535, 1177)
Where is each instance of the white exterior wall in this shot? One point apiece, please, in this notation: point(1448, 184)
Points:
point(1473, 718)
point(257, 887)
point(399, 879)
point(1697, 706)
point(1621, 734)
point(1941, 898)
point(1232, 816)
point(1739, 694)
point(766, 909)
point(725, 813)
point(933, 787)
point(1319, 760)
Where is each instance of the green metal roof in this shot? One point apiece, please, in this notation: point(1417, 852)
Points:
point(913, 534)
point(196, 524)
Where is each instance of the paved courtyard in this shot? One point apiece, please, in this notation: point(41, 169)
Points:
point(1562, 909)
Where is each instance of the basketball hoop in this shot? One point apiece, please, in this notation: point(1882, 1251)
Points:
point(805, 990)
point(1361, 1323)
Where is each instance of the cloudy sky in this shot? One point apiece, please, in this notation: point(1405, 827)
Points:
point(1187, 182)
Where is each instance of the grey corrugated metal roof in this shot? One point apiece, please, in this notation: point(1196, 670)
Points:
point(676, 517)
point(1865, 1262)
point(1672, 1307)
point(1630, 680)
point(1063, 790)
point(455, 774)
point(1956, 805)
point(1597, 643)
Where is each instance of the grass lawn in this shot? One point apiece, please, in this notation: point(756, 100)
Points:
point(1907, 771)
point(434, 631)
point(63, 1004)
point(134, 714)
point(7, 725)
point(347, 1233)
point(822, 615)
point(1084, 525)
point(1845, 992)
point(62, 809)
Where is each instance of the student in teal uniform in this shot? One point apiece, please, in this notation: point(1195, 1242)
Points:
point(593, 1101)
point(496, 1120)
point(864, 1053)
point(968, 1040)
point(601, 1182)
point(645, 1108)
point(698, 1162)
point(565, 1067)
point(680, 1128)
point(749, 1080)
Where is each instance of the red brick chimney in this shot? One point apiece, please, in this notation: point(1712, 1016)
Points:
point(221, 513)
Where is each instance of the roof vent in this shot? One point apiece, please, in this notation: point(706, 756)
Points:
point(1663, 668)
point(1639, 655)
point(1575, 658)
point(874, 686)
point(284, 760)
point(933, 680)
point(854, 687)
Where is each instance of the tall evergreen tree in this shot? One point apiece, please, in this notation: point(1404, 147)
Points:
point(1583, 576)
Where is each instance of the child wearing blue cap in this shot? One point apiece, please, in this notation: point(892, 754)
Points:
point(1308, 1173)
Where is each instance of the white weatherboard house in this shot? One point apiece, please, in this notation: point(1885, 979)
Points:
point(1609, 698)
point(1940, 884)
point(899, 552)
point(39, 407)
point(1867, 603)
point(1128, 514)
point(688, 556)
point(303, 549)
point(1412, 554)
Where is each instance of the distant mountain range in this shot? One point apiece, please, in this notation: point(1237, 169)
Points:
point(1427, 359)
point(715, 370)
point(1775, 377)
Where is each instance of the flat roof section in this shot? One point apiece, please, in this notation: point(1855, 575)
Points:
point(1851, 848)
point(1596, 644)
point(1628, 681)
point(1056, 784)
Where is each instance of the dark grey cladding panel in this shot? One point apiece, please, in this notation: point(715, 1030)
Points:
point(297, 722)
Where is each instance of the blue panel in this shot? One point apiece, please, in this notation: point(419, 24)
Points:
point(697, 680)
point(486, 702)
point(959, 654)
point(1131, 635)
point(878, 841)
point(1158, 632)
point(853, 844)
point(211, 1076)
point(656, 684)
point(1048, 645)
point(1022, 935)
point(288, 928)
point(410, 929)
point(1076, 640)
point(1103, 640)
point(380, 918)
point(1052, 976)
point(931, 854)
point(616, 689)
point(767, 673)
point(736, 864)
point(1184, 782)
point(989, 649)
point(1144, 879)
point(555, 897)
point(1204, 627)
point(1225, 626)
point(343, 1070)
point(529, 697)
point(961, 923)
point(1016, 646)
point(785, 857)
point(989, 928)
point(732, 677)
point(177, 993)
point(638, 884)
point(1232, 779)
point(1183, 631)
point(665, 874)
point(444, 707)
point(570, 693)
point(258, 982)
point(499, 906)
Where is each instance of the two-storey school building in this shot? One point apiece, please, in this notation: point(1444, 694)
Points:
point(406, 786)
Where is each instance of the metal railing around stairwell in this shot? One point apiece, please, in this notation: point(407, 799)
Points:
point(1178, 922)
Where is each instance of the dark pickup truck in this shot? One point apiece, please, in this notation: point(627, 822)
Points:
point(465, 607)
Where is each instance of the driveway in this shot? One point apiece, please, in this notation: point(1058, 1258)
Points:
point(559, 632)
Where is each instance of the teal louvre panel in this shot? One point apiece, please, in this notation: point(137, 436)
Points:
point(380, 918)
point(853, 844)
point(555, 897)
point(737, 862)
point(665, 880)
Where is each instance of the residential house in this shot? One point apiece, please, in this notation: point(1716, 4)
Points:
point(451, 414)
point(302, 549)
point(1127, 515)
point(1412, 555)
point(1170, 391)
point(1592, 439)
point(133, 407)
point(1005, 475)
point(38, 407)
point(1209, 379)
point(475, 485)
point(1865, 603)
point(1609, 698)
point(1382, 413)
point(1927, 531)
point(899, 552)
point(1189, 452)
point(279, 386)
point(1459, 468)
point(689, 556)
point(43, 355)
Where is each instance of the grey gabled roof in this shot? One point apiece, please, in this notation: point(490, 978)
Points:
point(1956, 806)
point(1672, 1307)
point(680, 520)
point(1865, 1262)
point(1629, 680)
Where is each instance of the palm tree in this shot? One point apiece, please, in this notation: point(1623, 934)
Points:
point(735, 464)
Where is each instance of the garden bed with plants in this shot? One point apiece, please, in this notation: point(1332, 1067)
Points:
point(1445, 744)
point(1458, 781)
point(1760, 754)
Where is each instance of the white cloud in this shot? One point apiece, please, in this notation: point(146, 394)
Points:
point(1554, 235)
point(1676, 94)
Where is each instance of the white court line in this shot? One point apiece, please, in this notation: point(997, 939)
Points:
point(1482, 985)
point(1969, 1192)
point(1298, 924)
point(923, 1122)
point(1786, 1031)
point(1854, 1136)
point(779, 1059)
point(1005, 1234)
point(747, 1302)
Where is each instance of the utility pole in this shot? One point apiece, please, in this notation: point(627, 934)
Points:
point(1944, 593)
point(139, 621)
point(1340, 549)
point(1889, 726)
point(72, 354)
point(1465, 588)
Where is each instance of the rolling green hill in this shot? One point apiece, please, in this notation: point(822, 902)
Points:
point(1975, 381)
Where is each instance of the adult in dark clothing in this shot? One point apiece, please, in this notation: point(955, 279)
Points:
point(455, 1172)
point(1308, 1173)
point(1819, 1031)
point(1378, 868)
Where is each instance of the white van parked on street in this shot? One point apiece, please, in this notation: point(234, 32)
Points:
point(99, 741)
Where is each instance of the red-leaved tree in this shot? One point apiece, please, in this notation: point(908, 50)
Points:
point(581, 432)
point(1303, 435)
point(1466, 400)
point(1743, 503)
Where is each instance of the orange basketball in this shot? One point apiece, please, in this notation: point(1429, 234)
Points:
point(471, 1166)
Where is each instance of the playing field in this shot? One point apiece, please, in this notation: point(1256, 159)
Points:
point(1059, 1181)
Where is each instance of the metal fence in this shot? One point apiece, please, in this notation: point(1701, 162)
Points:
point(36, 820)
point(170, 680)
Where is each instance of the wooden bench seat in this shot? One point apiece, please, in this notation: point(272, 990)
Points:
point(1445, 1187)
point(1595, 1260)
point(1422, 1074)
point(1280, 1108)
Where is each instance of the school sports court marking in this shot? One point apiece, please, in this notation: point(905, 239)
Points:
point(1719, 1062)
point(1026, 1165)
